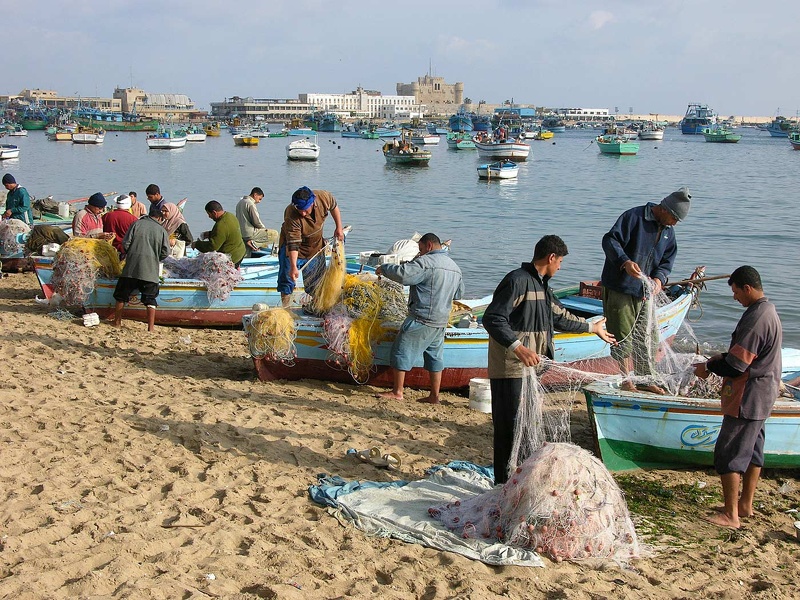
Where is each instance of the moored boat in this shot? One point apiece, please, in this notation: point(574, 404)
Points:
point(17, 131)
point(166, 138)
point(794, 139)
point(195, 133)
point(305, 149)
point(502, 149)
point(460, 140)
point(506, 169)
point(424, 138)
point(697, 118)
point(212, 130)
point(641, 430)
point(245, 139)
point(778, 127)
point(461, 121)
point(720, 134)
point(401, 152)
point(8, 151)
point(651, 131)
point(88, 135)
point(554, 124)
point(612, 144)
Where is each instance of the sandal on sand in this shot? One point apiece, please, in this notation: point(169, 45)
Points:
point(367, 455)
point(389, 461)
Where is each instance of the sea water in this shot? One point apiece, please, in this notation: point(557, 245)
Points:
point(744, 208)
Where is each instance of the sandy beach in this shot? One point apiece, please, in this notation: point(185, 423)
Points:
point(140, 465)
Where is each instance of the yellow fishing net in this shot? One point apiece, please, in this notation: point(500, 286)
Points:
point(328, 290)
point(271, 334)
point(104, 257)
point(77, 265)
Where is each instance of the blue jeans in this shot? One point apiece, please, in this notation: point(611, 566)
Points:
point(413, 339)
point(285, 283)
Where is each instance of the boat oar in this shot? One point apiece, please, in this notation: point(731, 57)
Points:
point(698, 280)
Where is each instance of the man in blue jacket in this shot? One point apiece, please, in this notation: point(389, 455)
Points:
point(435, 281)
point(18, 202)
point(641, 245)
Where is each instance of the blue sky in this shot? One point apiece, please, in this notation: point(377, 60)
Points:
point(650, 55)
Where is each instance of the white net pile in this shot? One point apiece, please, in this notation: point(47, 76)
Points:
point(561, 501)
point(215, 269)
point(9, 229)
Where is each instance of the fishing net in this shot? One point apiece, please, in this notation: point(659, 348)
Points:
point(215, 269)
point(271, 334)
point(326, 284)
point(78, 263)
point(561, 501)
point(350, 341)
point(9, 229)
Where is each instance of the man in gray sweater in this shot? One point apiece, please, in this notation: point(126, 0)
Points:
point(146, 244)
point(254, 233)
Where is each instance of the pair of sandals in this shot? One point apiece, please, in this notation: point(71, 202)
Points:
point(373, 456)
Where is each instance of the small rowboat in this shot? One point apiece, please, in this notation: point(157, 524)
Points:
point(498, 170)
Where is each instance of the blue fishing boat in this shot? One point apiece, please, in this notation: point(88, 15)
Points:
point(436, 129)
point(554, 124)
point(504, 169)
point(779, 127)
point(465, 350)
point(635, 430)
point(480, 122)
point(329, 122)
point(460, 121)
point(697, 118)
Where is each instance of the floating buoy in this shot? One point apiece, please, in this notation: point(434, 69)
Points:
point(112, 160)
point(339, 147)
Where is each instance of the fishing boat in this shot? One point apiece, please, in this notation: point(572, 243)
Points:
point(424, 138)
point(507, 169)
point(350, 131)
point(480, 122)
point(720, 134)
point(794, 139)
point(185, 301)
point(371, 133)
point(8, 151)
point(88, 135)
point(436, 129)
point(195, 133)
point(245, 139)
point(166, 138)
point(89, 116)
point(554, 124)
point(778, 127)
point(460, 140)
point(212, 129)
point(465, 349)
point(650, 131)
point(388, 131)
point(278, 134)
point(305, 149)
point(402, 152)
point(329, 122)
point(613, 144)
point(539, 134)
point(641, 430)
point(60, 135)
point(501, 149)
point(697, 118)
point(461, 121)
point(17, 131)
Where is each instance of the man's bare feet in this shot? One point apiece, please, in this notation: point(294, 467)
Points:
point(627, 386)
point(429, 400)
point(652, 388)
point(723, 520)
point(389, 396)
point(744, 513)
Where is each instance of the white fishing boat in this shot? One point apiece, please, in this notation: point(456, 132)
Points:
point(166, 138)
point(424, 138)
point(651, 131)
point(196, 134)
point(305, 149)
point(504, 169)
point(88, 135)
point(9, 151)
point(502, 149)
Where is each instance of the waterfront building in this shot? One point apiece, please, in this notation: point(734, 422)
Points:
point(178, 107)
point(49, 99)
point(433, 91)
point(368, 104)
point(262, 109)
point(582, 114)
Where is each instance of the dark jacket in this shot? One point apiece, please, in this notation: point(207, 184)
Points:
point(524, 308)
point(638, 236)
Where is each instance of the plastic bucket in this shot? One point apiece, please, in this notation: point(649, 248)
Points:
point(480, 395)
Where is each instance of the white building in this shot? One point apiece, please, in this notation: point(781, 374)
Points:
point(583, 114)
point(269, 109)
point(365, 104)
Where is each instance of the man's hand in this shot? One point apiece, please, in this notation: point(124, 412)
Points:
point(251, 245)
point(294, 272)
point(528, 357)
point(657, 286)
point(7, 214)
point(598, 328)
point(379, 270)
point(632, 269)
point(701, 370)
point(339, 234)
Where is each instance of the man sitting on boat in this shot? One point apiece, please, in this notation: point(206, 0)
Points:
point(224, 237)
point(18, 201)
point(520, 322)
point(640, 245)
point(255, 235)
point(137, 208)
point(88, 222)
point(153, 193)
point(751, 371)
point(118, 221)
point(435, 281)
point(301, 235)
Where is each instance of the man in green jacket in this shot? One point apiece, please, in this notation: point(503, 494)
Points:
point(18, 202)
point(225, 236)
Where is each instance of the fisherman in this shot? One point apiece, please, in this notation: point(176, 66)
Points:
point(118, 221)
point(224, 237)
point(18, 201)
point(641, 245)
point(88, 222)
point(751, 372)
point(254, 233)
point(301, 235)
point(153, 193)
point(435, 281)
point(137, 208)
point(520, 322)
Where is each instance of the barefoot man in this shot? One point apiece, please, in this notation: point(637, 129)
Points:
point(435, 281)
point(640, 245)
point(751, 371)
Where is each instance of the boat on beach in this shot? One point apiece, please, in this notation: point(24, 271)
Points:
point(634, 430)
point(505, 169)
point(465, 349)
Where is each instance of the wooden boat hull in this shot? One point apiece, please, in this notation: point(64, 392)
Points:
point(503, 151)
point(618, 148)
point(242, 140)
point(8, 151)
point(465, 350)
point(640, 430)
point(653, 134)
point(497, 171)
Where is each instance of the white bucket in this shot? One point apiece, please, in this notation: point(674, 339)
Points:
point(63, 210)
point(480, 395)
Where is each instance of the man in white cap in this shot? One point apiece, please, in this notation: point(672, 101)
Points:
point(118, 221)
point(641, 245)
